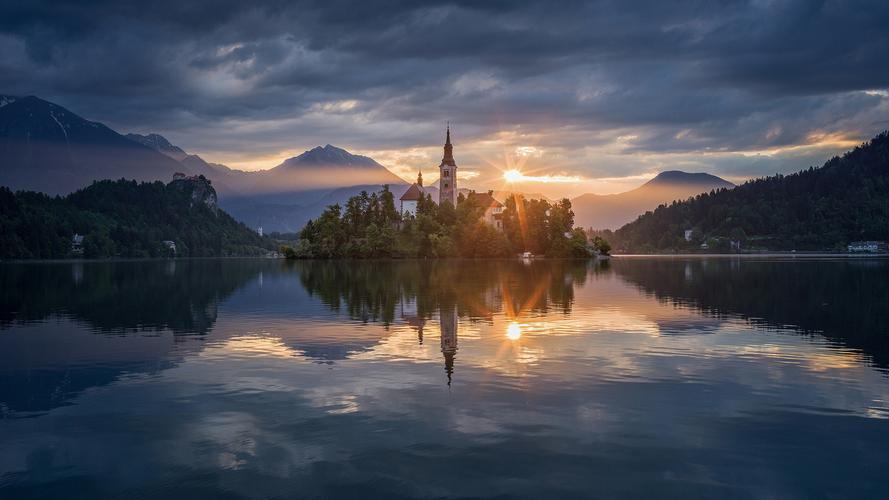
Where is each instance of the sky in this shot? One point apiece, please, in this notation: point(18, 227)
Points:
point(578, 96)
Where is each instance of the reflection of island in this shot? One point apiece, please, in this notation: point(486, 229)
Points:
point(416, 291)
point(844, 300)
point(447, 320)
point(61, 323)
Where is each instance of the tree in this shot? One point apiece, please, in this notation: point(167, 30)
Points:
point(601, 246)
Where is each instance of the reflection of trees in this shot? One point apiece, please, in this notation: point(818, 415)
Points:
point(121, 296)
point(845, 301)
point(110, 297)
point(372, 290)
point(420, 289)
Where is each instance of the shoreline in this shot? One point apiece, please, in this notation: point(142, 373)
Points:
point(842, 255)
point(794, 255)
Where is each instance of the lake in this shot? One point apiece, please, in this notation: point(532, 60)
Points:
point(632, 378)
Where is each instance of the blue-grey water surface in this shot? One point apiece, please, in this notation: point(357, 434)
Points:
point(634, 378)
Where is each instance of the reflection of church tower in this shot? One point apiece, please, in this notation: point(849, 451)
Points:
point(412, 318)
point(447, 179)
point(448, 320)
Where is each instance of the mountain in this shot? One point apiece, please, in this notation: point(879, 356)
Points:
point(159, 143)
point(126, 219)
point(325, 167)
point(844, 200)
point(300, 188)
point(611, 211)
point(44, 147)
point(227, 181)
point(284, 198)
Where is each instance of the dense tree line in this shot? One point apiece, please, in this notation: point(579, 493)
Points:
point(369, 226)
point(824, 208)
point(124, 219)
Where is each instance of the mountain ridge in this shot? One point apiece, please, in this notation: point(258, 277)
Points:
point(824, 208)
point(610, 211)
point(47, 148)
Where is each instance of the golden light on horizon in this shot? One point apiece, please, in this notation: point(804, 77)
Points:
point(514, 176)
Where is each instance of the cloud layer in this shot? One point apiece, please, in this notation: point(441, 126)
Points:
point(587, 89)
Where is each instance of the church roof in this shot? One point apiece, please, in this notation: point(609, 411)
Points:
point(485, 200)
point(413, 193)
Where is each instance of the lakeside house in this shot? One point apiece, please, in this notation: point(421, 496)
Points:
point(493, 214)
point(171, 246)
point(868, 247)
point(77, 244)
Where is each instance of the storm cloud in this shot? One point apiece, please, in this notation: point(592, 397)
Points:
point(599, 88)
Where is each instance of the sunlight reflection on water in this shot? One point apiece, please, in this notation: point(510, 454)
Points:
point(262, 379)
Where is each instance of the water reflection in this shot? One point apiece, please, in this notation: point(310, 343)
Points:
point(843, 300)
point(145, 299)
point(689, 378)
point(116, 297)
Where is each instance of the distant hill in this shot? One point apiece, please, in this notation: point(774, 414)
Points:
point(300, 188)
point(611, 211)
point(325, 167)
point(125, 219)
point(844, 200)
point(284, 198)
point(47, 148)
point(226, 180)
point(44, 147)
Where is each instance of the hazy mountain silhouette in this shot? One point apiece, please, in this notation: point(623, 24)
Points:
point(194, 162)
point(611, 211)
point(44, 147)
point(823, 208)
point(285, 197)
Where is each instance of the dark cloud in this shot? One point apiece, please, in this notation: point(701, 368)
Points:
point(682, 76)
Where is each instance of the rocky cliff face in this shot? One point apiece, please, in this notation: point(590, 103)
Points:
point(198, 188)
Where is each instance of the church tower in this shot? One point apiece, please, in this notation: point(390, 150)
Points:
point(447, 180)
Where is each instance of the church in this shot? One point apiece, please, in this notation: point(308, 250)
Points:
point(447, 182)
point(447, 190)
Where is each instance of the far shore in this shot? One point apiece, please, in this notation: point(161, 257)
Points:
point(769, 255)
point(845, 255)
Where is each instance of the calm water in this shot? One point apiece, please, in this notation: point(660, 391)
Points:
point(645, 378)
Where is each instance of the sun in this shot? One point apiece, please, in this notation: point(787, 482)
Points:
point(513, 175)
point(513, 331)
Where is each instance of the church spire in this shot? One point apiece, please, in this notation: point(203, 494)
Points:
point(447, 178)
point(448, 149)
point(420, 179)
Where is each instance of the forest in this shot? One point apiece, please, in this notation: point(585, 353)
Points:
point(124, 219)
point(825, 208)
point(369, 226)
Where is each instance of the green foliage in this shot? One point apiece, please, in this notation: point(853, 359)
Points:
point(824, 208)
point(124, 219)
point(370, 227)
point(601, 246)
